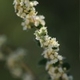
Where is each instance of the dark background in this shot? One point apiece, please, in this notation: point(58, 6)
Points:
point(62, 20)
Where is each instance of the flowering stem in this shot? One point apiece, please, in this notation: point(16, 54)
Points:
point(27, 69)
point(55, 66)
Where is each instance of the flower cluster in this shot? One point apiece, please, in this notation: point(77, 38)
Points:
point(14, 60)
point(25, 9)
point(57, 69)
point(16, 64)
point(54, 64)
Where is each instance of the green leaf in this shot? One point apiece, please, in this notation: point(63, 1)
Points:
point(42, 61)
point(66, 65)
point(56, 64)
point(39, 26)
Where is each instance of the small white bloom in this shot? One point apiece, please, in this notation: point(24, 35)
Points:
point(53, 43)
point(34, 3)
point(48, 65)
point(50, 54)
point(22, 2)
point(55, 73)
point(54, 60)
point(60, 57)
point(56, 54)
point(39, 20)
point(52, 72)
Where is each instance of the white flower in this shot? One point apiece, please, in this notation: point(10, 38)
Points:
point(54, 60)
point(50, 42)
point(15, 58)
point(26, 25)
point(51, 54)
point(25, 9)
point(39, 20)
point(22, 7)
point(29, 19)
point(60, 57)
point(34, 3)
point(48, 53)
point(48, 65)
point(46, 42)
point(53, 43)
point(20, 12)
point(54, 73)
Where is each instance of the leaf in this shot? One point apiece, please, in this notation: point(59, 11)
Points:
point(39, 26)
point(42, 61)
point(56, 64)
point(66, 65)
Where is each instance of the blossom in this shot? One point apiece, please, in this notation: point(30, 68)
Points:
point(25, 9)
point(32, 20)
point(22, 7)
point(14, 61)
point(55, 72)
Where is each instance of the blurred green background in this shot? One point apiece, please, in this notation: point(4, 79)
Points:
point(62, 19)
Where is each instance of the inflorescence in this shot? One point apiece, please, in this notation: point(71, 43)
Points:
point(56, 68)
point(15, 60)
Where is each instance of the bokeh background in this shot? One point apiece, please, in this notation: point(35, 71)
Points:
point(62, 19)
